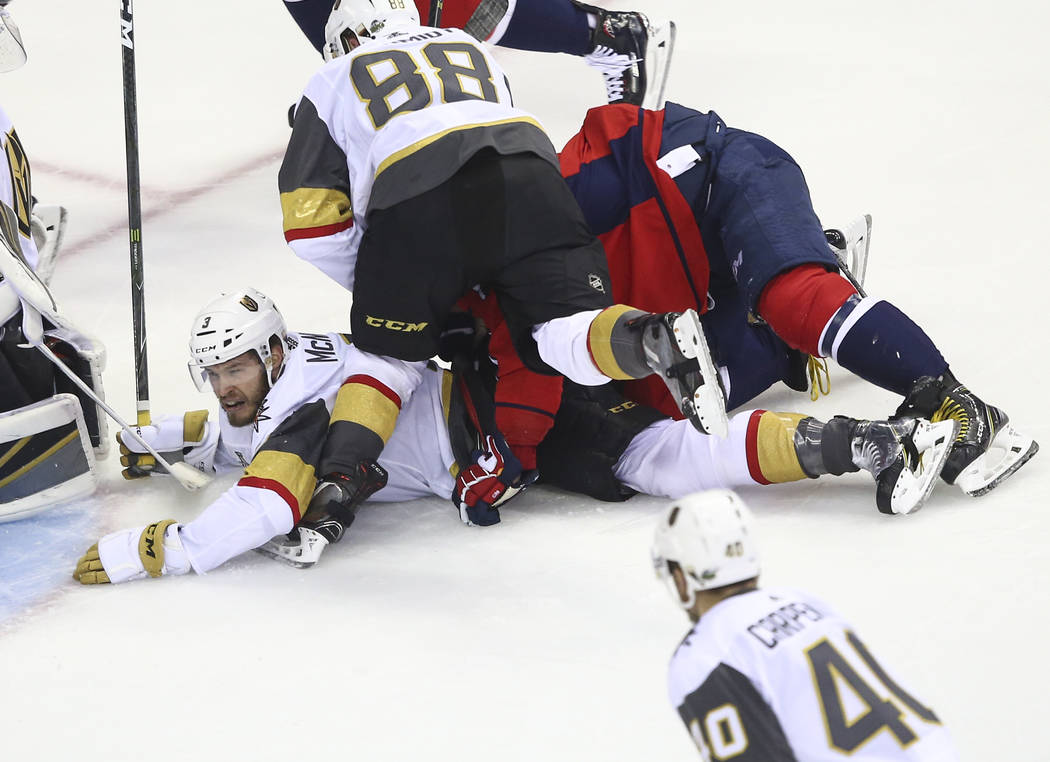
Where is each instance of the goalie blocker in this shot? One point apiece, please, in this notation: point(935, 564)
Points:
point(45, 457)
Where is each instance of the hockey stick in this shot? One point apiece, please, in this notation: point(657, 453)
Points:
point(131, 147)
point(436, 7)
point(184, 474)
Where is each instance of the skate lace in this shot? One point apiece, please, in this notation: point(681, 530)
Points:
point(611, 65)
point(952, 410)
point(819, 377)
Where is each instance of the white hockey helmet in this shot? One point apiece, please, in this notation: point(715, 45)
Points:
point(709, 535)
point(12, 51)
point(353, 21)
point(231, 325)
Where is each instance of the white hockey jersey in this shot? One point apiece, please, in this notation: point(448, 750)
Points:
point(418, 459)
point(392, 119)
point(17, 197)
point(775, 675)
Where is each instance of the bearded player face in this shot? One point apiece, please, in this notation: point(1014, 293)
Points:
point(240, 386)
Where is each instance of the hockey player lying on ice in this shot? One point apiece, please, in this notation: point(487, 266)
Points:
point(278, 390)
point(49, 432)
point(671, 193)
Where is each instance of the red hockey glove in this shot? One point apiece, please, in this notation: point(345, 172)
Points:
point(495, 477)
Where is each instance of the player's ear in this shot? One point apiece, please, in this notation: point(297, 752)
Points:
point(679, 583)
point(277, 355)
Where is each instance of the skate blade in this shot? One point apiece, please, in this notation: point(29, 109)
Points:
point(708, 403)
point(934, 443)
point(1008, 451)
point(290, 555)
point(658, 51)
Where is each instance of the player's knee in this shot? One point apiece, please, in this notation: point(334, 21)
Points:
point(799, 303)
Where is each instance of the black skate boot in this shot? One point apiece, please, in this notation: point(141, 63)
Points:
point(987, 449)
point(332, 510)
point(905, 456)
point(633, 55)
point(676, 349)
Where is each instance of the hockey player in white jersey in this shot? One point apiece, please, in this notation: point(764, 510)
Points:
point(278, 395)
point(775, 674)
point(410, 177)
point(49, 431)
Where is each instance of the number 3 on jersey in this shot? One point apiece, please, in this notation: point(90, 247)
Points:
point(391, 82)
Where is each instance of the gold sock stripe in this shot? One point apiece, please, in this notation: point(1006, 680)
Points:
point(193, 425)
point(366, 406)
point(777, 458)
point(599, 341)
point(40, 458)
point(151, 547)
point(447, 380)
point(14, 450)
point(286, 469)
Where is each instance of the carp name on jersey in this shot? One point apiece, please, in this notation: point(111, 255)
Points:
point(777, 675)
point(395, 117)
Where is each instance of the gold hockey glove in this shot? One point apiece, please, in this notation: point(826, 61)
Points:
point(89, 569)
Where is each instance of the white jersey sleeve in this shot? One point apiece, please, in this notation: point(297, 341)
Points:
point(394, 118)
point(279, 475)
point(776, 675)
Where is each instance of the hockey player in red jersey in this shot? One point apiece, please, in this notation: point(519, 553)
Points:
point(279, 398)
point(410, 176)
point(631, 52)
point(693, 213)
point(775, 674)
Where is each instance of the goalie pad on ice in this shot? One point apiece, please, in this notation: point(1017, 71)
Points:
point(45, 457)
point(86, 356)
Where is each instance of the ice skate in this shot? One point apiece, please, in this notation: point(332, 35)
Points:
point(300, 548)
point(850, 247)
point(905, 456)
point(987, 449)
point(676, 349)
point(633, 55)
point(332, 510)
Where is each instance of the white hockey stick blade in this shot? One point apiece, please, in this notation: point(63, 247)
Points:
point(658, 52)
point(1008, 451)
point(187, 476)
point(49, 227)
point(709, 405)
point(933, 441)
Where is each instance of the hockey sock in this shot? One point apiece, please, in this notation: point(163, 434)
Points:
point(785, 447)
point(799, 303)
point(879, 343)
point(616, 346)
point(548, 26)
point(311, 16)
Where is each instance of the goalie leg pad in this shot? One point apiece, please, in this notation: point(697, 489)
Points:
point(45, 457)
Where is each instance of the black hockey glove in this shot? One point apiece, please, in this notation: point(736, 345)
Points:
point(494, 478)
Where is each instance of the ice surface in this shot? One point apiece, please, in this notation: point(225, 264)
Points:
point(545, 637)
